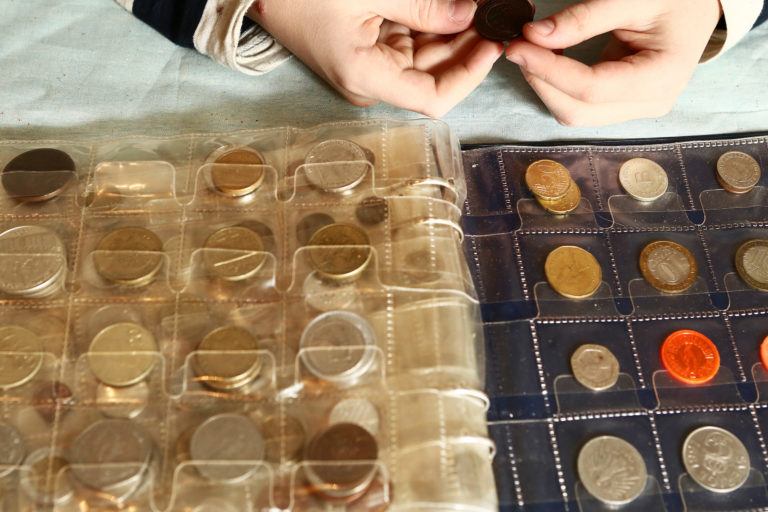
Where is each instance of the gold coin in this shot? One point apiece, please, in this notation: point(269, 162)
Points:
point(21, 356)
point(548, 179)
point(340, 251)
point(122, 354)
point(226, 358)
point(566, 204)
point(752, 263)
point(238, 172)
point(668, 267)
point(573, 272)
point(234, 253)
point(738, 172)
point(129, 256)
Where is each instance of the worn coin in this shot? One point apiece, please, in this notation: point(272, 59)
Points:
point(284, 438)
point(38, 175)
point(129, 256)
point(372, 210)
point(336, 165)
point(340, 251)
point(566, 204)
point(716, 459)
point(123, 354)
point(48, 396)
point(358, 411)
point(595, 367)
point(548, 179)
point(237, 172)
point(234, 253)
point(669, 267)
point(33, 261)
point(226, 359)
point(310, 224)
point(643, 179)
point(612, 470)
point(227, 447)
point(46, 479)
point(12, 449)
point(752, 264)
point(738, 172)
point(690, 357)
point(21, 356)
point(126, 402)
point(324, 295)
point(503, 20)
point(573, 272)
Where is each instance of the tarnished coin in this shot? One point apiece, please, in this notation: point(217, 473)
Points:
point(237, 172)
point(126, 402)
point(643, 179)
point(33, 261)
point(573, 272)
point(668, 267)
point(752, 264)
point(228, 448)
point(358, 411)
point(123, 354)
point(336, 165)
point(548, 179)
point(716, 459)
point(566, 204)
point(226, 359)
point(595, 367)
point(372, 210)
point(503, 20)
point(284, 438)
point(324, 295)
point(21, 356)
point(738, 172)
point(45, 479)
point(129, 256)
point(310, 224)
point(38, 175)
point(690, 357)
point(612, 470)
point(12, 449)
point(234, 253)
point(48, 396)
point(340, 252)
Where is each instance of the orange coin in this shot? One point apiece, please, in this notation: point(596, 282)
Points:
point(690, 357)
point(764, 353)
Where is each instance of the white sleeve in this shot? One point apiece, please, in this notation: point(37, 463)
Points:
point(740, 16)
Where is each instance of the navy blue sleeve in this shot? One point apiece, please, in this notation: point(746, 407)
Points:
point(763, 14)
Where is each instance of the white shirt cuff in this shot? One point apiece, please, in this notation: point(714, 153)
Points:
point(740, 17)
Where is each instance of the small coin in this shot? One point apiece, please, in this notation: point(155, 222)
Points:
point(752, 264)
point(234, 253)
point(12, 449)
point(738, 172)
point(336, 166)
point(232, 446)
point(21, 356)
point(237, 172)
point(326, 295)
point(595, 367)
point(548, 179)
point(716, 459)
point(38, 175)
point(226, 359)
point(668, 267)
point(310, 224)
point(764, 353)
point(690, 357)
point(503, 20)
point(33, 261)
point(284, 438)
point(48, 396)
point(573, 272)
point(340, 251)
point(643, 179)
point(122, 354)
point(358, 411)
point(372, 211)
point(126, 402)
point(46, 478)
point(612, 470)
point(566, 204)
point(130, 256)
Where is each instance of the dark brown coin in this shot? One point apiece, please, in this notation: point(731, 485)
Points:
point(38, 175)
point(310, 224)
point(372, 210)
point(503, 20)
point(48, 395)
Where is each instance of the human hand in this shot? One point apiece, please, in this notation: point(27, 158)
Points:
point(415, 54)
point(655, 49)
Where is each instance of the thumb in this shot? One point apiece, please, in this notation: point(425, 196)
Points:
point(431, 16)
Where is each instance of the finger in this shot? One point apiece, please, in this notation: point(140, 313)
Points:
point(435, 57)
point(431, 16)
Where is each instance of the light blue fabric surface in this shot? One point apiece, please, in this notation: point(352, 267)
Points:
point(86, 68)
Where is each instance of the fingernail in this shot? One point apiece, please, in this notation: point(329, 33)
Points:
point(461, 10)
point(517, 59)
point(543, 27)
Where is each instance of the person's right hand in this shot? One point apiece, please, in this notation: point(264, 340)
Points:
point(416, 54)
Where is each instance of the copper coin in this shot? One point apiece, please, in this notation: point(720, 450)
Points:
point(234, 253)
point(503, 20)
point(129, 256)
point(548, 179)
point(372, 211)
point(310, 224)
point(50, 394)
point(690, 357)
point(226, 359)
point(566, 204)
point(669, 267)
point(238, 172)
point(38, 175)
point(340, 251)
point(764, 353)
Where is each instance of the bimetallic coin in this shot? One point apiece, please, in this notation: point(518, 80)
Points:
point(237, 172)
point(126, 402)
point(595, 367)
point(310, 224)
point(122, 354)
point(284, 438)
point(612, 470)
point(45, 479)
point(33, 262)
point(324, 295)
point(643, 179)
point(130, 256)
point(228, 448)
point(548, 179)
point(668, 267)
point(234, 253)
point(566, 204)
point(38, 175)
point(752, 264)
point(358, 411)
point(226, 359)
point(12, 449)
point(21, 356)
point(573, 272)
point(716, 459)
point(340, 252)
point(738, 172)
point(372, 211)
point(690, 357)
point(48, 396)
point(503, 20)
point(336, 166)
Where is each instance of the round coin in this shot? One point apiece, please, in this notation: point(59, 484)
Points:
point(716, 459)
point(229, 446)
point(336, 165)
point(738, 172)
point(503, 20)
point(612, 470)
point(309, 225)
point(595, 367)
point(643, 179)
point(328, 296)
point(573, 272)
point(690, 357)
point(668, 267)
point(237, 172)
point(284, 438)
point(46, 478)
point(764, 353)
point(340, 251)
point(38, 175)
point(566, 204)
point(234, 253)
point(12, 449)
point(122, 354)
point(127, 402)
point(21, 356)
point(358, 411)
point(129, 256)
point(226, 359)
point(752, 264)
point(33, 261)
point(372, 211)
point(548, 179)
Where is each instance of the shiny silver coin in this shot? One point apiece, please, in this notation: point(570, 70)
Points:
point(643, 179)
point(716, 459)
point(33, 261)
point(21, 356)
point(595, 367)
point(45, 479)
point(358, 411)
point(336, 166)
point(12, 449)
point(126, 402)
point(325, 296)
point(230, 444)
point(612, 470)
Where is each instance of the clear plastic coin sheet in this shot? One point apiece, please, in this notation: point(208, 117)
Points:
point(278, 319)
point(627, 339)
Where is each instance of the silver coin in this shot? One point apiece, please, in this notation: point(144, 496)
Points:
point(231, 443)
point(337, 346)
point(12, 449)
point(595, 367)
point(21, 356)
point(336, 165)
point(716, 459)
point(358, 411)
point(643, 179)
point(325, 296)
point(46, 479)
point(612, 470)
point(32, 260)
point(738, 171)
point(125, 402)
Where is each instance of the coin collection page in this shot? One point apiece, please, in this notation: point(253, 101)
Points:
point(263, 320)
point(625, 294)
